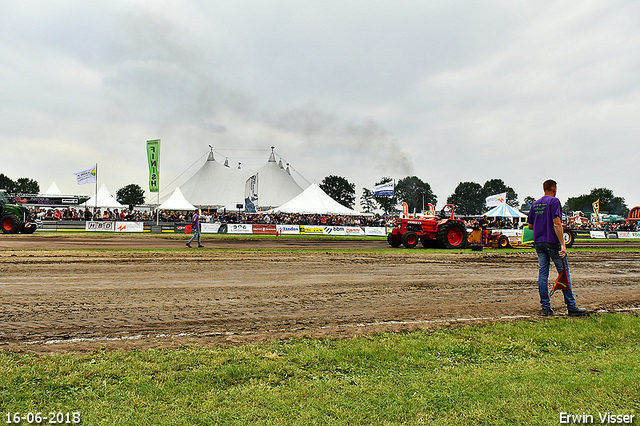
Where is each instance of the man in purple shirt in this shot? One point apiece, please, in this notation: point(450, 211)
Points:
point(545, 218)
point(195, 226)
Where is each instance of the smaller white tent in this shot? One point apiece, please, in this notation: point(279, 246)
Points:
point(105, 200)
point(504, 210)
point(177, 202)
point(53, 190)
point(314, 200)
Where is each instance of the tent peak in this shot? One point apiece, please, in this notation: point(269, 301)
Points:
point(211, 157)
point(53, 190)
point(272, 157)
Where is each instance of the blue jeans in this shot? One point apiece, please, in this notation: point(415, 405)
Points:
point(548, 252)
point(196, 233)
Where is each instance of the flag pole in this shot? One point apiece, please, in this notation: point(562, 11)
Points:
point(96, 199)
point(158, 198)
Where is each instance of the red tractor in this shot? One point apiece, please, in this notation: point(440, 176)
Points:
point(441, 231)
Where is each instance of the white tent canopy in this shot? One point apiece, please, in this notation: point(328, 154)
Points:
point(104, 200)
point(504, 210)
point(218, 185)
point(275, 184)
point(314, 200)
point(214, 185)
point(177, 202)
point(53, 190)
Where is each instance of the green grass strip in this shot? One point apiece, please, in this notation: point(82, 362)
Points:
point(514, 373)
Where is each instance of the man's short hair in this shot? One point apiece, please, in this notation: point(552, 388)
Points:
point(549, 184)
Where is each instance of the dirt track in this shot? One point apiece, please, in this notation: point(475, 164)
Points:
point(55, 300)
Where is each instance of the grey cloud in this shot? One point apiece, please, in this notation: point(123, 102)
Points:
point(367, 143)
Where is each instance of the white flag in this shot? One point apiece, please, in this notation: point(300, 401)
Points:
point(87, 175)
point(496, 200)
point(384, 189)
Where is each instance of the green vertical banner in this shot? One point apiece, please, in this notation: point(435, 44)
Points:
point(153, 157)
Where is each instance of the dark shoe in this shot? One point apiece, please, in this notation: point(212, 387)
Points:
point(577, 312)
point(200, 246)
point(547, 312)
point(188, 245)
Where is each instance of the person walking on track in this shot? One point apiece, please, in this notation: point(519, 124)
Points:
point(545, 218)
point(195, 227)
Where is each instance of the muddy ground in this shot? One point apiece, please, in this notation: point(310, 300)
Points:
point(55, 300)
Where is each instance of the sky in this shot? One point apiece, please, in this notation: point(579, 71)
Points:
point(449, 91)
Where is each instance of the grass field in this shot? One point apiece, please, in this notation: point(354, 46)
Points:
point(512, 373)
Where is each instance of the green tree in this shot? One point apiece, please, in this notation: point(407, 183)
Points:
point(131, 195)
point(497, 186)
point(367, 201)
point(21, 186)
point(608, 202)
point(27, 186)
point(469, 198)
point(386, 203)
point(416, 193)
point(526, 204)
point(7, 183)
point(340, 190)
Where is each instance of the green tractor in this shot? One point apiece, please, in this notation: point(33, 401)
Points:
point(14, 218)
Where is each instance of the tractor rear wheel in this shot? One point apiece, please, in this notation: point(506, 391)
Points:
point(11, 224)
point(394, 240)
point(410, 239)
point(503, 242)
point(452, 235)
point(569, 236)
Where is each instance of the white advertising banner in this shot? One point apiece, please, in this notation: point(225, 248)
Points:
point(334, 230)
point(375, 231)
point(627, 234)
point(288, 229)
point(343, 230)
point(508, 232)
point(598, 234)
point(129, 227)
point(210, 228)
point(239, 228)
point(100, 226)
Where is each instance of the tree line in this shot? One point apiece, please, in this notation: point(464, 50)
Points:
point(468, 197)
point(20, 186)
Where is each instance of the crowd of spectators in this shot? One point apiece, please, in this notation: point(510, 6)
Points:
point(209, 216)
point(621, 225)
point(71, 213)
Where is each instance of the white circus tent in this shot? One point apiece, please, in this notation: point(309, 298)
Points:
point(218, 185)
point(505, 210)
point(177, 202)
point(104, 200)
point(314, 200)
point(213, 185)
point(276, 186)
